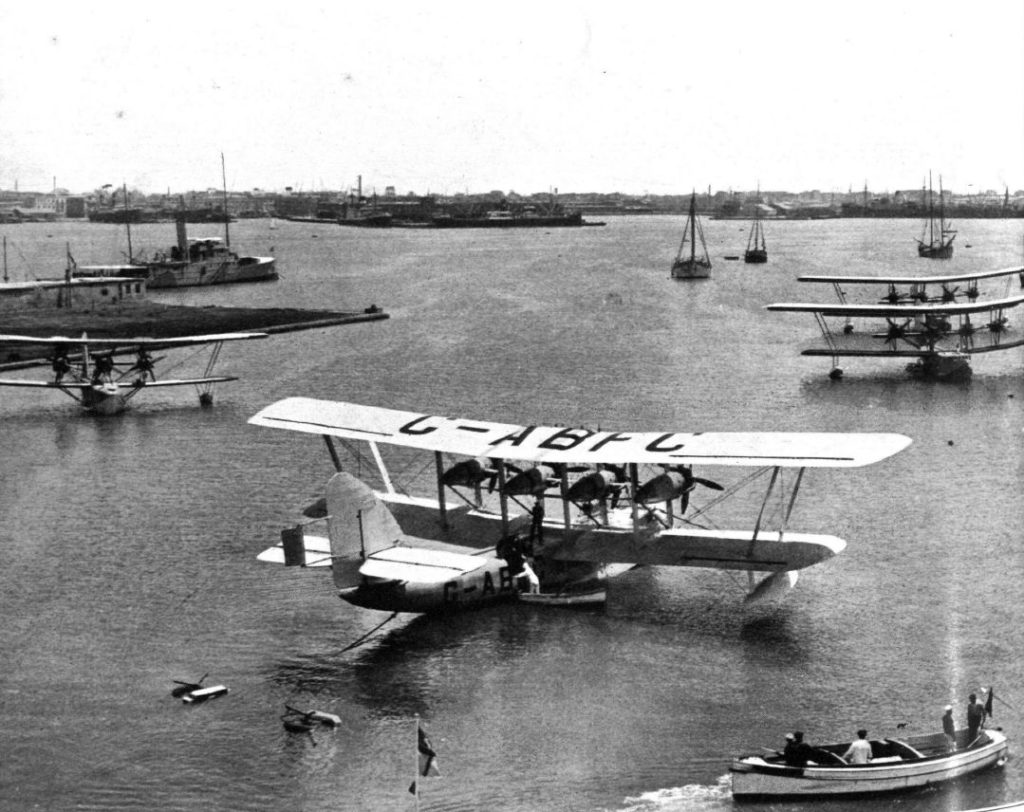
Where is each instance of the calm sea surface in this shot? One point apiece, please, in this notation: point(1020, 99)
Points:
point(128, 545)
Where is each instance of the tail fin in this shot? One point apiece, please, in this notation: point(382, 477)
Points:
point(358, 524)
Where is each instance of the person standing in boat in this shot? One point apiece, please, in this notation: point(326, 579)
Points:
point(975, 718)
point(859, 752)
point(949, 728)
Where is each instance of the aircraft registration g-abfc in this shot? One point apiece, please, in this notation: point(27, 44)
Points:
point(621, 499)
point(925, 318)
point(85, 368)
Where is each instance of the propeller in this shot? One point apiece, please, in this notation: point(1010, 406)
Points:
point(896, 332)
point(948, 294)
point(935, 327)
point(894, 297)
point(675, 481)
point(998, 324)
point(973, 292)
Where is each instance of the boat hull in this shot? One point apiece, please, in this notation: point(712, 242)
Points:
point(938, 251)
point(687, 269)
point(211, 272)
point(754, 778)
point(755, 256)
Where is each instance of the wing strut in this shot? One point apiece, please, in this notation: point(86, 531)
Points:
point(384, 475)
point(333, 452)
point(792, 502)
point(442, 508)
point(764, 504)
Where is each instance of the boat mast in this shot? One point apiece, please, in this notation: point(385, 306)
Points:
point(942, 215)
point(931, 211)
point(693, 228)
point(127, 220)
point(224, 181)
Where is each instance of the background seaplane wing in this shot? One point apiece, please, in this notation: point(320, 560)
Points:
point(550, 444)
point(912, 330)
point(897, 311)
point(911, 280)
point(152, 343)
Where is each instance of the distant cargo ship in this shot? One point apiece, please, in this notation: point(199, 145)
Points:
point(508, 219)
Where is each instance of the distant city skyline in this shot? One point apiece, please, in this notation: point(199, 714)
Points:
point(578, 96)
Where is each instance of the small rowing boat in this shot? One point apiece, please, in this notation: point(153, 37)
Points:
point(896, 765)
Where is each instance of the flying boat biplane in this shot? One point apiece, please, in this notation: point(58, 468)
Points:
point(86, 368)
point(940, 321)
point(618, 500)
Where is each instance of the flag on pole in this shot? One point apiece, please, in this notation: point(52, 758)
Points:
point(988, 703)
point(427, 758)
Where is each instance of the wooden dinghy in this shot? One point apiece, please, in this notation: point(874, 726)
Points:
point(896, 765)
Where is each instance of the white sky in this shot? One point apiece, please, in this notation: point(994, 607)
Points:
point(528, 96)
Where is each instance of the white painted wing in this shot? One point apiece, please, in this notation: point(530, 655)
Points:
point(552, 444)
point(419, 565)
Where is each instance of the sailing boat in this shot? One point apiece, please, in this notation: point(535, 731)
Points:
point(687, 264)
point(940, 240)
point(756, 251)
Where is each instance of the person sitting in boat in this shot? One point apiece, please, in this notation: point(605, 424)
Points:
point(797, 752)
point(859, 752)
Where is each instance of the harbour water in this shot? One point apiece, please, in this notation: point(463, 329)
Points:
point(128, 545)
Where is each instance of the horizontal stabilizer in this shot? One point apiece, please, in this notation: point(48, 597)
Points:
point(709, 549)
point(419, 566)
point(317, 550)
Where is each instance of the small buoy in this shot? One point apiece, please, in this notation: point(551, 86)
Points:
point(202, 694)
point(949, 442)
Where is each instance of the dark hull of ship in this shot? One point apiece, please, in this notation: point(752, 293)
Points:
point(554, 221)
point(937, 251)
point(756, 256)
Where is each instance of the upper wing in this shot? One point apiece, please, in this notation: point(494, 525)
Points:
point(911, 280)
point(898, 311)
point(181, 341)
point(551, 444)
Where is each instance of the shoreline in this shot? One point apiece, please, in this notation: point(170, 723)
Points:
point(154, 320)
